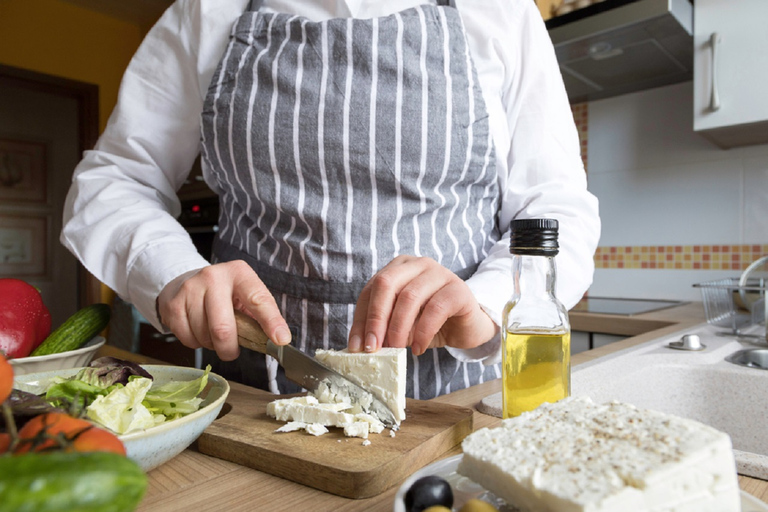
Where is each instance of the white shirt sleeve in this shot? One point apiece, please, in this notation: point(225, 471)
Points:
point(119, 216)
point(541, 171)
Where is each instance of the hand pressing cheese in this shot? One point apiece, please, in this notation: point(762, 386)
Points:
point(575, 455)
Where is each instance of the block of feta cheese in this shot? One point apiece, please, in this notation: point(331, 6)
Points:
point(383, 373)
point(576, 455)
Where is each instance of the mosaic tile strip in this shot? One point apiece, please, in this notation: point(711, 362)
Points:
point(680, 257)
point(581, 118)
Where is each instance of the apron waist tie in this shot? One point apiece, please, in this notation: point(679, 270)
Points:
point(312, 289)
point(255, 5)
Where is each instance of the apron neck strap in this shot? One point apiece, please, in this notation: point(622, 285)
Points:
point(445, 3)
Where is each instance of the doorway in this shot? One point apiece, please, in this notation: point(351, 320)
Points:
point(46, 123)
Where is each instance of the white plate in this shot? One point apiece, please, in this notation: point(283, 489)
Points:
point(70, 359)
point(156, 445)
point(465, 489)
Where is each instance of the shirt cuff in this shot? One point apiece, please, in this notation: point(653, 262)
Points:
point(157, 265)
point(489, 353)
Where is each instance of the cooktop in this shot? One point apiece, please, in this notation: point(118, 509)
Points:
point(626, 307)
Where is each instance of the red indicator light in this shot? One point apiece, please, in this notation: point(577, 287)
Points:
point(195, 208)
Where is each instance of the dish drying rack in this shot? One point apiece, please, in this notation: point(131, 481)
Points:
point(736, 307)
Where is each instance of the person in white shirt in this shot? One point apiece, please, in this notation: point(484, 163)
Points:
point(368, 156)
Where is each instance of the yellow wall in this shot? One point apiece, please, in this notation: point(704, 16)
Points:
point(60, 39)
point(57, 38)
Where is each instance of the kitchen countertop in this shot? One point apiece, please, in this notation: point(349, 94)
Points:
point(193, 481)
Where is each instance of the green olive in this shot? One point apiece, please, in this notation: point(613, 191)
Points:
point(476, 505)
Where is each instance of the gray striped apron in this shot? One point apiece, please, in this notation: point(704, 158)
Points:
point(336, 146)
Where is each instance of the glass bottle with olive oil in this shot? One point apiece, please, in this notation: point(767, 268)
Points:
point(536, 333)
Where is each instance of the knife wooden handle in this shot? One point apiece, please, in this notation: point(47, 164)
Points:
point(250, 334)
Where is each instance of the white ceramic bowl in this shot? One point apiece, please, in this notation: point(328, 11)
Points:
point(465, 489)
point(63, 360)
point(156, 445)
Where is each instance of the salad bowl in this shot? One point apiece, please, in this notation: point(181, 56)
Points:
point(63, 360)
point(153, 446)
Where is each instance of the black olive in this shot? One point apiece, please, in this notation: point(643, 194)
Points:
point(428, 491)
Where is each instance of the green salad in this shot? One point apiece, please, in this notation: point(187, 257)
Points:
point(123, 397)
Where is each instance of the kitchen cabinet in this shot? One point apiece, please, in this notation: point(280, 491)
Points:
point(582, 341)
point(731, 71)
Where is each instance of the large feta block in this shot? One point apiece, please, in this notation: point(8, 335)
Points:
point(576, 455)
point(383, 373)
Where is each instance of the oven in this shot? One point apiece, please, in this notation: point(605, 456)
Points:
point(200, 218)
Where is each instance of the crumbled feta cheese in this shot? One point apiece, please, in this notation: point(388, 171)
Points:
point(316, 429)
point(292, 426)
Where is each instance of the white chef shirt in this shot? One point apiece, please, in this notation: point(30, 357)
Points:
point(119, 217)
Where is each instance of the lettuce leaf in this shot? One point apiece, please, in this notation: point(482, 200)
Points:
point(107, 371)
point(122, 410)
point(140, 404)
point(177, 398)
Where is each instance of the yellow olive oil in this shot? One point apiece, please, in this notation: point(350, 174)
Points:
point(537, 369)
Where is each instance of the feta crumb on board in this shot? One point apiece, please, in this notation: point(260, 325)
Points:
point(292, 426)
point(382, 372)
point(356, 429)
point(316, 429)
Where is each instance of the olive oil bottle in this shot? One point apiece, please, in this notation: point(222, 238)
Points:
point(536, 333)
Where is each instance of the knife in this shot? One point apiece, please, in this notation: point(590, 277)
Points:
point(307, 371)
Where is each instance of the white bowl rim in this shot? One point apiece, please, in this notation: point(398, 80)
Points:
point(213, 379)
point(93, 344)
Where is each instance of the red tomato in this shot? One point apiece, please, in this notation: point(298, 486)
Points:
point(5, 442)
point(56, 431)
point(6, 378)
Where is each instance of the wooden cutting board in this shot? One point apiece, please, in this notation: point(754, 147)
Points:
point(340, 465)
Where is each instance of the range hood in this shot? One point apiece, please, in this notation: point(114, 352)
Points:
point(616, 47)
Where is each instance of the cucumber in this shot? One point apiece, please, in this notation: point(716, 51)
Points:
point(76, 330)
point(65, 482)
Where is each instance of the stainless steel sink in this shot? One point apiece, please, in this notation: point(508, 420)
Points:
point(751, 358)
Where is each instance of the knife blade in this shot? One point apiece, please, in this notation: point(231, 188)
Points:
point(307, 371)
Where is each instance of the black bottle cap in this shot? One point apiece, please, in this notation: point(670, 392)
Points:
point(535, 237)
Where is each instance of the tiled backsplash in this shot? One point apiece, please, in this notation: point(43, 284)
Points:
point(681, 257)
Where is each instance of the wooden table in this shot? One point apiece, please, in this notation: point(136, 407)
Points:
point(193, 482)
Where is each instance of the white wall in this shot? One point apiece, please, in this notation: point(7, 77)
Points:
point(660, 183)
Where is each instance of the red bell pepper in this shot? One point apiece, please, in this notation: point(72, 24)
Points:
point(24, 320)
